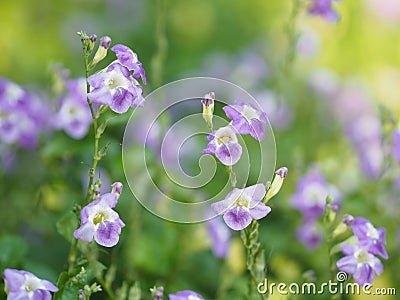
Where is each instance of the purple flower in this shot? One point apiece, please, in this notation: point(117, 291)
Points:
point(359, 263)
point(370, 238)
point(247, 119)
point(311, 192)
point(129, 59)
point(24, 285)
point(115, 87)
point(100, 221)
point(310, 234)
point(365, 133)
point(74, 114)
point(324, 9)
point(22, 115)
point(224, 144)
point(220, 237)
point(185, 295)
point(241, 206)
point(396, 145)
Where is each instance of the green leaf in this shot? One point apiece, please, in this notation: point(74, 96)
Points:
point(103, 151)
point(134, 292)
point(102, 128)
point(70, 292)
point(110, 276)
point(122, 292)
point(67, 225)
point(12, 250)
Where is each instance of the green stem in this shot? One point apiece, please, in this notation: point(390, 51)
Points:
point(254, 259)
point(74, 248)
point(161, 44)
point(95, 117)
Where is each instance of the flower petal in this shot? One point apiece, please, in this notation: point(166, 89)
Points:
point(107, 234)
point(347, 264)
point(85, 232)
point(229, 155)
point(260, 211)
point(237, 218)
point(255, 192)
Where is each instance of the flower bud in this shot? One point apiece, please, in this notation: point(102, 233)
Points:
point(116, 188)
point(276, 185)
point(105, 42)
point(343, 226)
point(208, 108)
point(157, 292)
point(101, 52)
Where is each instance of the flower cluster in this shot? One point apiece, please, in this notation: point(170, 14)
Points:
point(74, 114)
point(22, 116)
point(116, 86)
point(246, 119)
point(21, 284)
point(360, 258)
point(324, 9)
point(100, 221)
point(310, 199)
point(351, 104)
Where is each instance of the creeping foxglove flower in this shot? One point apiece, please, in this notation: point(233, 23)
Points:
point(359, 263)
point(129, 59)
point(241, 206)
point(220, 237)
point(74, 114)
point(116, 88)
point(311, 192)
point(247, 119)
point(371, 238)
point(310, 234)
point(100, 221)
point(324, 9)
point(185, 295)
point(224, 144)
point(396, 145)
point(23, 285)
point(23, 117)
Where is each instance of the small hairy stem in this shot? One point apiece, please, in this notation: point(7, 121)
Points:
point(255, 261)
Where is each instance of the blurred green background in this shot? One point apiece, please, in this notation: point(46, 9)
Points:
point(177, 39)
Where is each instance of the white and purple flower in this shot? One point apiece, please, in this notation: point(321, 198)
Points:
point(324, 9)
point(20, 284)
point(247, 119)
point(311, 192)
point(116, 88)
point(74, 114)
point(310, 234)
point(370, 238)
point(241, 206)
point(100, 222)
point(130, 60)
point(185, 295)
point(23, 117)
point(359, 263)
point(224, 144)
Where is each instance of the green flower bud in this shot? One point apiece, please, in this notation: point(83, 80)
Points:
point(208, 108)
point(276, 184)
